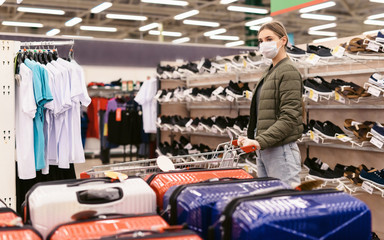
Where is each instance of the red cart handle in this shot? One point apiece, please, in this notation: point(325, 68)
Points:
point(247, 149)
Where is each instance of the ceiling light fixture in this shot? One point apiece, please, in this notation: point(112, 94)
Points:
point(181, 40)
point(317, 7)
point(148, 27)
point(73, 22)
point(377, 1)
point(167, 2)
point(22, 24)
point(77, 36)
point(372, 32)
point(322, 33)
point(324, 39)
point(376, 16)
point(126, 17)
point(215, 32)
point(374, 22)
point(1, 2)
point(247, 9)
point(53, 32)
point(165, 33)
point(98, 29)
point(255, 28)
point(227, 1)
point(201, 23)
point(186, 14)
point(318, 17)
point(224, 37)
point(101, 7)
point(258, 21)
point(41, 10)
point(321, 27)
point(233, 44)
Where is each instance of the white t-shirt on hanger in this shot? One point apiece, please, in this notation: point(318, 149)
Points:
point(145, 97)
point(25, 112)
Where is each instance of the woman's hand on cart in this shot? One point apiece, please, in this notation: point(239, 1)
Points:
point(244, 141)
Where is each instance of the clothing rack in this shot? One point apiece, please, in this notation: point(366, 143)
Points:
point(47, 43)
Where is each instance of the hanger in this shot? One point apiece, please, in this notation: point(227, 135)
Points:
point(71, 54)
point(55, 54)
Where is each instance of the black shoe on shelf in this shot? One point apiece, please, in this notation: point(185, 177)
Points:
point(295, 51)
point(321, 51)
point(317, 86)
point(195, 122)
point(234, 88)
point(221, 122)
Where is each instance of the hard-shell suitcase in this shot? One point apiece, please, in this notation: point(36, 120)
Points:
point(19, 233)
point(153, 235)
point(161, 182)
point(191, 204)
point(7, 215)
point(296, 215)
point(49, 204)
point(106, 225)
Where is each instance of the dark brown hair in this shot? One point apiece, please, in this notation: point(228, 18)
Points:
point(276, 27)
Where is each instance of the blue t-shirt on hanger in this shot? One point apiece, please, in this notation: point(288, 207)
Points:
point(42, 94)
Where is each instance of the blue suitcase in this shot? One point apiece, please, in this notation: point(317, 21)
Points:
point(324, 214)
point(192, 203)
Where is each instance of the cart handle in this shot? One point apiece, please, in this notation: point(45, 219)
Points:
point(247, 149)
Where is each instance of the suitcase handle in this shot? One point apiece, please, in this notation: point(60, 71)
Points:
point(89, 181)
point(99, 196)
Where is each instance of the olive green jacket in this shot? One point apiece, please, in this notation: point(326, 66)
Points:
point(279, 113)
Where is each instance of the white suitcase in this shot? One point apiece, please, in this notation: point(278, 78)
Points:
point(49, 204)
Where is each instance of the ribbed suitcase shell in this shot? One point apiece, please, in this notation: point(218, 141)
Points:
point(178, 235)
point(19, 233)
point(7, 215)
point(49, 204)
point(297, 215)
point(105, 226)
point(161, 182)
point(192, 204)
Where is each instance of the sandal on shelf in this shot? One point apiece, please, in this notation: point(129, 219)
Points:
point(347, 92)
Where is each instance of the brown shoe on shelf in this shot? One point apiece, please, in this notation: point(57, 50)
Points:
point(352, 174)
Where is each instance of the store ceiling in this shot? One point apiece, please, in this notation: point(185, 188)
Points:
point(350, 15)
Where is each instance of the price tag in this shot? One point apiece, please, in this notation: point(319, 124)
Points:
point(226, 67)
point(200, 127)
point(343, 138)
point(200, 65)
point(188, 146)
point(340, 187)
point(218, 90)
point(373, 46)
point(158, 94)
point(168, 97)
point(366, 187)
point(374, 91)
point(175, 129)
point(314, 137)
point(338, 51)
point(376, 142)
point(339, 98)
point(230, 98)
point(313, 59)
point(187, 92)
point(248, 95)
point(313, 95)
point(244, 63)
point(118, 115)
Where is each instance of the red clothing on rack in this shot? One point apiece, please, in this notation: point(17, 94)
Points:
point(98, 103)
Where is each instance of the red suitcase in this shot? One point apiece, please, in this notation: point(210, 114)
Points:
point(7, 216)
point(161, 182)
point(19, 233)
point(105, 225)
point(151, 235)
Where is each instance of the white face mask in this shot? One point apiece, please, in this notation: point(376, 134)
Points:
point(269, 49)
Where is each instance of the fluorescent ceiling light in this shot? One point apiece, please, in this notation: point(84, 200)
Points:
point(22, 24)
point(167, 2)
point(317, 7)
point(223, 37)
point(41, 10)
point(98, 29)
point(318, 17)
point(377, 1)
point(73, 21)
point(77, 36)
point(321, 27)
point(148, 27)
point(101, 7)
point(126, 17)
point(201, 23)
point(259, 21)
point(215, 32)
point(186, 14)
point(53, 32)
point(165, 33)
point(371, 32)
point(324, 39)
point(255, 28)
point(247, 9)
point(1, 2)
point(181, 40)
point(376, 16)
point(322, 33)
point(227, 1)
point(233, 44)
point(374, 22)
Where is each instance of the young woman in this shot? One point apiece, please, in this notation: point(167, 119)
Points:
point(276, 110)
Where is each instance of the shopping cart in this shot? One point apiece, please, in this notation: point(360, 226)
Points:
point(228, 157)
